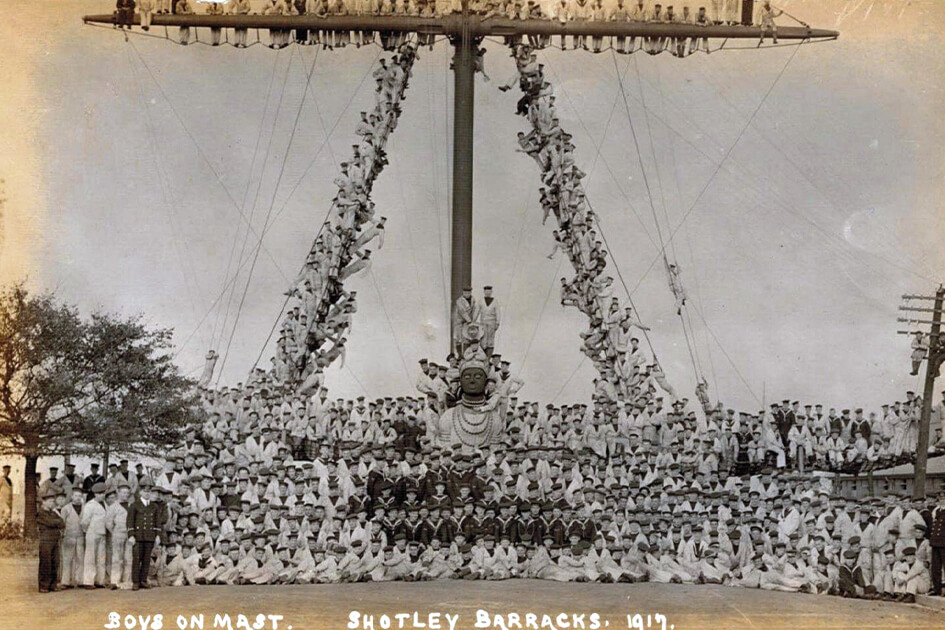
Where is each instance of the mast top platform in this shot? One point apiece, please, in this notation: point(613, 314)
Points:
point(456, 24)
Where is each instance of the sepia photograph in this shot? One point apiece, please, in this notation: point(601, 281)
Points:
point(455, 314)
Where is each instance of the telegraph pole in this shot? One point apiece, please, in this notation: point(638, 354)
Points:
point(936, 355)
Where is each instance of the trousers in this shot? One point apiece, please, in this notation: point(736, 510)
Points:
point(48, 565)
point(141, 562)
point(71, 559)
point(938, 563)
point(94, 563)
point(121, 561)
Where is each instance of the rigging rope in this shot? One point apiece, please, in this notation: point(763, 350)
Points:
point(200, 150)
point(431, 101)
point(649, 133)
point(508, 296)
point(610, 253)
point(318, 110)
point(636, 144)
point(749, 181)
point(554, 281)
point(690, 344)
point(578, 367)
point(599, 145)
point(413, 250)
point(393, 330)
point(447, 125)
point(697, 364)
point(596, 215)
point(324, 222)
point(850, 193)
point(722, 162)
point(252, 213)
point(272, 204)
point(166, 191)
point(649, 193)
point(275, 323)
point(358, 381)
point(326, 142)
point(249, 179)
point(285, 357)
point(727, 357)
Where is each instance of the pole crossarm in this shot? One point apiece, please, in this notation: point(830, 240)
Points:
point(906, 320)
point(453, 26)
point(934, 355)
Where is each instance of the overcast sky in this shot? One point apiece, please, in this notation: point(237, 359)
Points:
point(127, 166)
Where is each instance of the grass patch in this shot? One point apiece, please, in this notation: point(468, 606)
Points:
point(13, 544)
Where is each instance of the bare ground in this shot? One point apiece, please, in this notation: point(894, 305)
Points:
point(328, 606)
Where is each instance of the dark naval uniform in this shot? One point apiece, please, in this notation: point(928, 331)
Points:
point(144, 524)
point(937, 541)
point(50, 526)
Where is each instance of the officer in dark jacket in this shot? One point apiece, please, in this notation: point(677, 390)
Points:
point(145, 520)
point(50, 526)
point(937, 541)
